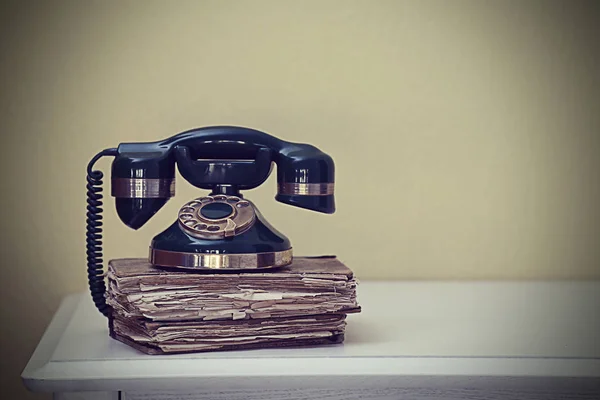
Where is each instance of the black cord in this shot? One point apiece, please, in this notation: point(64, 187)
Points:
point(94, 233)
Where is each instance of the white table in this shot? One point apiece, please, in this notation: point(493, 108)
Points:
point(415, 340)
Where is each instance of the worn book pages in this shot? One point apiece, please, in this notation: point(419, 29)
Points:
point(164, 311)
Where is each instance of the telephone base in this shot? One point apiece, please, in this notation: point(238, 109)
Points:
point(258, 246)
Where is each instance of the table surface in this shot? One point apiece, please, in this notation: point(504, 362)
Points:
point(435, 329)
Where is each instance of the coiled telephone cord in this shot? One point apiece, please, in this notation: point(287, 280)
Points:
point(94, 233)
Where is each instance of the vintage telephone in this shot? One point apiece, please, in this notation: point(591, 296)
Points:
point(219, 232)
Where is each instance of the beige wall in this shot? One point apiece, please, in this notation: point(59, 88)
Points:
point(465, 134)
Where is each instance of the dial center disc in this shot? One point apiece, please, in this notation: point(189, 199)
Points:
point(216, 210)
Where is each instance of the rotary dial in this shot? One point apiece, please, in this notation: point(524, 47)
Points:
point(216, 217)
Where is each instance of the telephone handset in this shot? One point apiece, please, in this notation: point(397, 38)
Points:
point(218, 232)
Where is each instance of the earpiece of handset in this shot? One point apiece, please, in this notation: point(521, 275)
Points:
point(306, 178)
point(141, 183)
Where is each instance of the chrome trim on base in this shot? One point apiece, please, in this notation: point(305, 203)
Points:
point(229, 262)
point(143, 188)
point(305, 189)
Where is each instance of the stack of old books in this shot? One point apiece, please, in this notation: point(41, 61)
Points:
point(159, 311)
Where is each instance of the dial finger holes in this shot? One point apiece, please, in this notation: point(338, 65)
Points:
point(206, 200)
point(192, 204)
point(242, 204)
point(186, 216)
point(233, 200)
point(220, 197)
point(213, 228)
point(189, 223)
point(187, 210)
point(200, 226)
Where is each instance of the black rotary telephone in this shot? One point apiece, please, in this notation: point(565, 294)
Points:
point(221, 231)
